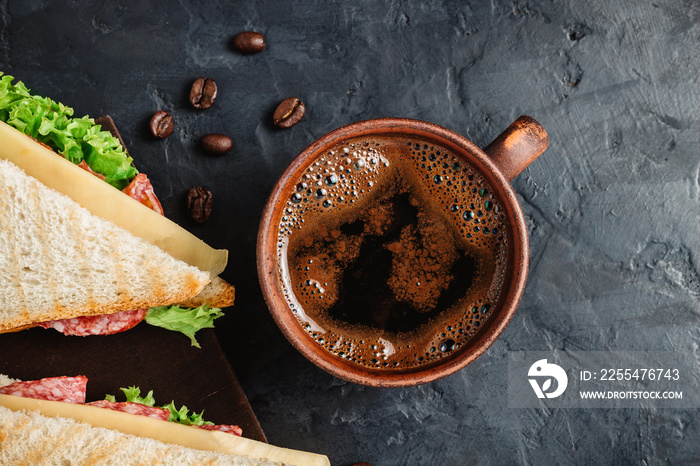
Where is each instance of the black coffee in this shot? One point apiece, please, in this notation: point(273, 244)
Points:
point(392, 252)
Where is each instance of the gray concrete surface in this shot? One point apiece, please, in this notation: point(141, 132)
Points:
point(612, 206)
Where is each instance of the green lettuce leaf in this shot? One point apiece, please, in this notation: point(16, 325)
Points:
point(76, 139)
point(133, 394)
point(183, 319)
point(181, 416)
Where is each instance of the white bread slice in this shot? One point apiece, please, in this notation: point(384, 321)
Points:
point(28, 438)
point(217, 293)
point(57, 260)
point(107, 202)
point(49, 432)
point(5, 380)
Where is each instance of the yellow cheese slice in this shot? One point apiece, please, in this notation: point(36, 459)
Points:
point(105, 201)
point(163, 431)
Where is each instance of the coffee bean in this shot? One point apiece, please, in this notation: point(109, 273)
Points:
point(216, 143)
point(161, 124)
point(199, 203)
point(203, 93)
point(289, 112)
point(249, 42)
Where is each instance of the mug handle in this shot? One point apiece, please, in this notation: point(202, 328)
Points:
point(518, 146)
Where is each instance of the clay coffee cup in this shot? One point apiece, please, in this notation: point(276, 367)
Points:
point(438, 234)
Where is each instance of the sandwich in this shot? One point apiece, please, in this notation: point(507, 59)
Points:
point(85, 248)
point(48, 422)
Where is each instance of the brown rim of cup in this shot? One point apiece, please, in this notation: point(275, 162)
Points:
point(514, 282)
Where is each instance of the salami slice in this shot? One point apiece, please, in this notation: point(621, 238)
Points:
point(83, 164)
point(133, 408)
point(67, 389)
point(235, 430)
point(107, 324)
point(141, 189)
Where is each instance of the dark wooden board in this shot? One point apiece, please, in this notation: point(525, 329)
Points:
point(145, 356)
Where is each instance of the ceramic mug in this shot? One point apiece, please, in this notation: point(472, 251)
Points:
point(501, 161)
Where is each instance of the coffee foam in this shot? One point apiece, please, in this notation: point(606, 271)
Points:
point(457, 217)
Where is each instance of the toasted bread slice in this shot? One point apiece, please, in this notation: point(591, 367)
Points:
point(31, 438)
point(51, 432)
point(218, 293)
point(58, 260)
point(5, 380)
point(34, 431)
point(106, 202)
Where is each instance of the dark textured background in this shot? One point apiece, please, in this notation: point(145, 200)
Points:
point(612, 206)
